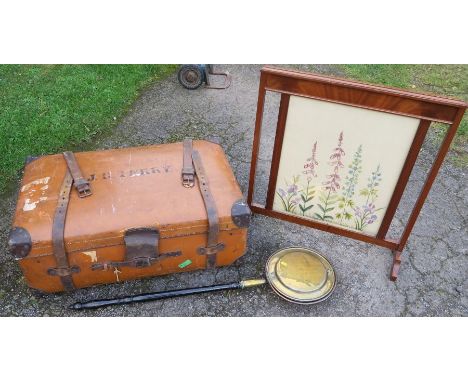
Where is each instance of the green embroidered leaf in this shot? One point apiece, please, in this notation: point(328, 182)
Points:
point(357, 225)
point(307, 208)
point(282, 202)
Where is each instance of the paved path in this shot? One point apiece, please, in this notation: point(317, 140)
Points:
point(433, 278)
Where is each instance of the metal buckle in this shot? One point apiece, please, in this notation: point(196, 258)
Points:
point(82, 186)
point(212, 250)
point(188, 178)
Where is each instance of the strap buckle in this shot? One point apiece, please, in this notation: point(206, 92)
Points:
point(188, 177)
point(82, 186)
point(211, 250)
point(188, 172)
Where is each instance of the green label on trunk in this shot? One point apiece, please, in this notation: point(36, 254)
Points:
point(184, 264)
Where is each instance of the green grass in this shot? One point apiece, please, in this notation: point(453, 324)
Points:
point(448, 80)
point(47, 108)
point(390, 75)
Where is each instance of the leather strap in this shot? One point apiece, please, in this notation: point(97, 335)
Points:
point(81, 184)
point(63, 269)
point(213, 220)
point(188, 172)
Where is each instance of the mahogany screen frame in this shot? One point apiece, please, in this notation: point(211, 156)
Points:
point(427, 108)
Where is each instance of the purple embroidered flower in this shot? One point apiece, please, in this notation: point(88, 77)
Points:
point(372, 219)
point(292, 189)
point(358, 211)
point(296, 201)
point(333, 181)
point(365, 215)
point(370, 208)
point(281, 192)
point(311, 163)
point(289, 195)
point(369, 215)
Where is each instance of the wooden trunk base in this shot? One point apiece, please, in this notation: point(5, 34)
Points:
point(396, 265)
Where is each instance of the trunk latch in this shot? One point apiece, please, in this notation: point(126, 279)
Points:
point(141, 250)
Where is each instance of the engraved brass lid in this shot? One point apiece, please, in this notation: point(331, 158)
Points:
point(300, 275)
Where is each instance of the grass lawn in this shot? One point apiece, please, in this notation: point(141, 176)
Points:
point(48, 108)
point(449, 80)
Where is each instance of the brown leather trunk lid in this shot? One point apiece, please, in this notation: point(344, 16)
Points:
point(132, 188)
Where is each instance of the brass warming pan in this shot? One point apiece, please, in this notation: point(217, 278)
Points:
point(298, 275)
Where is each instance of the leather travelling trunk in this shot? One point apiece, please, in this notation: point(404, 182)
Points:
point(141, 219)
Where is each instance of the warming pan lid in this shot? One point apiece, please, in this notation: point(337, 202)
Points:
point(300, 275)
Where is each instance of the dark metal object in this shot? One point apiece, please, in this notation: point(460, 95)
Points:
point(212, 250)
point(141, 250)
point(163, 295)
point(81, 184)
point(192, 76)
point(19, 242)
point(151, 296)
point(138, 262)
point(141, 243)
point(63, 269)
point(212, 212)
point(241, 214)
point(188, 172)
point(62, 272)
point(209, 71)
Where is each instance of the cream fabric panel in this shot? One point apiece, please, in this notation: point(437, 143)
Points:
point(340, 164)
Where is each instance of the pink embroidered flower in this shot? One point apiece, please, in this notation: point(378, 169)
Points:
point(333, 180)
point(311, 163)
